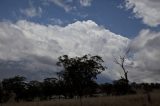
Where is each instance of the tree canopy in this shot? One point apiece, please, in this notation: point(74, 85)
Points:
point(80, 72)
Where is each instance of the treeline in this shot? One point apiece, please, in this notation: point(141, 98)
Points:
point(52, 88)
point(76, 80)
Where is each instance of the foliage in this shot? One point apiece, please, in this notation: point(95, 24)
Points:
point(80, 72)
point(15, 85)
point(77, 79)
point(121, 87)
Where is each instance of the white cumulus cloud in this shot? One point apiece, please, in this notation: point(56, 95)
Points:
point(32, 49)
point(147, 10)
point(32, 11)
point(63, 4)
point(146, 57)
point(86, 3)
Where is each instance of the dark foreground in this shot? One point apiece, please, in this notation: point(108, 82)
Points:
point(128, 100)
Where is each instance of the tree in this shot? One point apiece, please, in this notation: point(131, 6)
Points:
point(121, 87)
point(15, 85)
point(79, 72)
point(121, 62)
point(1, 93)
point(34, 90)
point(4, 96)
point(49, 87)
point(107, 88)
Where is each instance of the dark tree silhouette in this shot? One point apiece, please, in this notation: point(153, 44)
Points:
point(1, 93)
point(49, 87)
point(107, 88)
point(15, 85)
point(4, 96)
point(34, 90)
point(121, 62)
point(61, 86)
point(79, 72)
point(121, 87)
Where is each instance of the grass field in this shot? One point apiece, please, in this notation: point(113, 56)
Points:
point(129, 100)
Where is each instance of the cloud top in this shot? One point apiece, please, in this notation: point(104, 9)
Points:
point(38, 46)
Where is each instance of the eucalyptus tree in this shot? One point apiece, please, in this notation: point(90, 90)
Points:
point(80, 72)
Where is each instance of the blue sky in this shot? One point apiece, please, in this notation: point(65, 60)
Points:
point(111, 14)
point(34, 33)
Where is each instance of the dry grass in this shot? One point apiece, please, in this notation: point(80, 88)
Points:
point(129, 100)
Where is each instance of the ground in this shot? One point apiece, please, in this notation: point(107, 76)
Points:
point(127, 100)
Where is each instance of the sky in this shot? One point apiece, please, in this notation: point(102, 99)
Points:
point(34, 33)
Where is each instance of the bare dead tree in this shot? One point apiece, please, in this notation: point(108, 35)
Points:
point(121, 62)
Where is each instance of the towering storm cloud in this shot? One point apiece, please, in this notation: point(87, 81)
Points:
point(34, 33)
point(32, 49)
